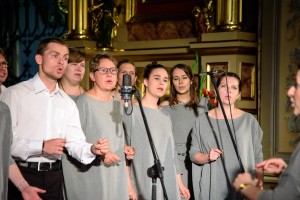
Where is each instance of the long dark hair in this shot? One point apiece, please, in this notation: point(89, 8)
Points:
point(194, 99)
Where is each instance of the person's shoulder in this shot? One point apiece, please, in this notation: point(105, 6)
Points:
point(245, 114)
point(164, 103)
point(82, 98)
point(65, 96)
point(19, 88)
point(20, 85)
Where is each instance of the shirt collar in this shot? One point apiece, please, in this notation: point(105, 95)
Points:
point(39, 86)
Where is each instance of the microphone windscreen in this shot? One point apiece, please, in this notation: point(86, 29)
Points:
point(126, 80)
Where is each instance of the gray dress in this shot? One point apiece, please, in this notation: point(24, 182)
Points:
point(213, 180)
point(98, 181)
point(288, 187)
point(5, 141)
point(183, 119)
point(160, 126)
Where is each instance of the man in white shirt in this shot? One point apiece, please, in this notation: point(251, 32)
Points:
point(8, 168)
point(3, 70)
point(44, 121)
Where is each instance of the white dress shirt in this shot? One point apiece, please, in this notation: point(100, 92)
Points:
point(2, 89)
point(39, 115)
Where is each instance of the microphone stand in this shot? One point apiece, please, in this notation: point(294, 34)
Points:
point(226, 120)
point(156, 171)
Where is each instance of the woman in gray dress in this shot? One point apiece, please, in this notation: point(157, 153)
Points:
point(73, 75)
point(184, 106)
point(212, 149)
point(160, 125)
point(101, 117)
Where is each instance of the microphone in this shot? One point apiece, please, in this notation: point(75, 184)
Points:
point(126, 89)
point(213, 72)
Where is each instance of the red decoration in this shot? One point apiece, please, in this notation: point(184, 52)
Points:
point(212, 98)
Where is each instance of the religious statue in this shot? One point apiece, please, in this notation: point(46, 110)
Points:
point(203, 15)
point(105, 22)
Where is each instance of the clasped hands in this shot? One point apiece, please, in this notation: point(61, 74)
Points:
point(56, 146)
point(101, 148)
point(111, 157)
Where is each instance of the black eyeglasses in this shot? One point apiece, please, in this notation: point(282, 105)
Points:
point(4, 64)
point(104, 70)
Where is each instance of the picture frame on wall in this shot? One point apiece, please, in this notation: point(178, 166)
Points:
point(248, 81)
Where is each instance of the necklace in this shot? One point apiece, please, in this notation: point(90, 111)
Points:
point(62, 87)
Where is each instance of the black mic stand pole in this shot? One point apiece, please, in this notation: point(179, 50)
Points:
point(156, 171)
point(226, 120)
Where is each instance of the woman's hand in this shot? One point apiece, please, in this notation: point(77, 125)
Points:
point(184, 191)
point(129, 152)
point(214, 154)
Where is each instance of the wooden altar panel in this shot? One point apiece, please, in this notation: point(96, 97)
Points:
point(148, 10)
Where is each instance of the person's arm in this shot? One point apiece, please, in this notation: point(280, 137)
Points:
point(184, 191)
point(247, 186)
point(76, 143)
point(260, 177)
point(22, 147)
point(195, 143)
point(28, 192)
point(131, 191)
point(250, 192)
point(258, 153)
point(203, 158)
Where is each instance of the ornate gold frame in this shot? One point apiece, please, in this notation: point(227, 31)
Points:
point(248, 81)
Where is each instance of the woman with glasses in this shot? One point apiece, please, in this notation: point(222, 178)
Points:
point(101, 117)
point(212, 150)
point(73, 75)
point(3, 70)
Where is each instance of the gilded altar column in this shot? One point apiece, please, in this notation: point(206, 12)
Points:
point(78, 20)
point(229, 15)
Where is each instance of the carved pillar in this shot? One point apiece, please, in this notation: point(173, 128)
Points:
point(78, 20)
point(229, 15)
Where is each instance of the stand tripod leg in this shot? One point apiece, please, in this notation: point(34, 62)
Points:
point(153, 188)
